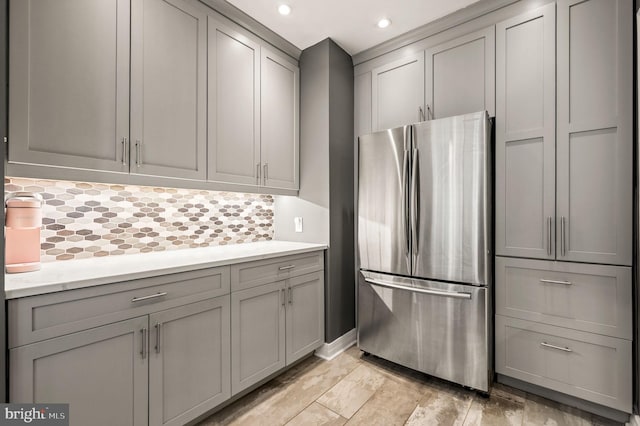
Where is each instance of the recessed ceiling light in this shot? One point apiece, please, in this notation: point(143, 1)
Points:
point(384, 23)
point(284, 9)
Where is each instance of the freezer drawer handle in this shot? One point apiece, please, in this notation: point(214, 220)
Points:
point(555, 282)
point(151, 296)
point(454, 294)
point(547, 345)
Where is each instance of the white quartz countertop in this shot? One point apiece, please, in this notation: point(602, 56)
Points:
point(73, 274)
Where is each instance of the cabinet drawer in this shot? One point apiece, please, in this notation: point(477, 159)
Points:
point(251, 274)
point(594, 298)
point(589, 366)
point(37, 318)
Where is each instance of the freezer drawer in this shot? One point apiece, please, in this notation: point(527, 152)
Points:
point(589, 366)
point(433, 327)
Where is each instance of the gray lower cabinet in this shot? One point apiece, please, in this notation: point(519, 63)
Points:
point(304, 315)
point(257, 334)
point(69, 83)
point(273, 325)
point(567, 327)
point(460, 76)
point(592, 298)
point(101, 367)
point(590, 366)
point(189, 361)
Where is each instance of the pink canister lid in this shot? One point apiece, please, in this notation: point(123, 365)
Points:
point(23, 200)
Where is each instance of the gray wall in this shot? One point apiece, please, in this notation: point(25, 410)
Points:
point(325, 201)
point(341, 290)
point(3, 131)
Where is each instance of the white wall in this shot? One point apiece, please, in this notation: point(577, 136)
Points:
point(312, 204)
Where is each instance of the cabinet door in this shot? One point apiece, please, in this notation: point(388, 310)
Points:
point(595, 141)
point(460, 76)
point(69, 83)
point(525, 135)
point(233, 106)
point(189, 361)
point(168, 89)
point(279, 97)
point(305, 315)
point(257, 334)
point(397, 97)
point(101, 367)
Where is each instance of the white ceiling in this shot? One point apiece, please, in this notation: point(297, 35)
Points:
point(350, 23)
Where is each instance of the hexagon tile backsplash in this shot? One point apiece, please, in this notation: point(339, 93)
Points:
point(82, 220)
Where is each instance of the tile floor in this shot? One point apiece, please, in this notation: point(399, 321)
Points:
point(353, 389)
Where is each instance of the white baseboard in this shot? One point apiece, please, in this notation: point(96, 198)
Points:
point(329, 351)
point(634, 421)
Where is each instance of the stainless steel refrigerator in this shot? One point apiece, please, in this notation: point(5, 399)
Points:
point(424, 242)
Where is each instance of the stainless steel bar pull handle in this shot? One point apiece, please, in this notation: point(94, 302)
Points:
point(555, 282)
point(414, 203)
point(429, 113)
point(405, 201)
point(549, 235)
point(290, 296)
point(258, 174)
point(124, 153)
point(560, 348)
point(158, 333)
point(265, 172)
point(138, 153)
point(421, 116)
point(282, 296)
point(143, 349)
point(284, 268)
point(151, 296)
point(564, 238)
point(453, 294)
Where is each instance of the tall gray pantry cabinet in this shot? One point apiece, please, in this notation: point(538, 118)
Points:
point(564, 193)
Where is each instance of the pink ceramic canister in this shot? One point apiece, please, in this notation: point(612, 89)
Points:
point(23, 220)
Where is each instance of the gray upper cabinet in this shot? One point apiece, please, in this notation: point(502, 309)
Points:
point(105, 365)
point(252, 111)
point(460, 76)
point(397, 93)
point(168, 89)
point(69, 83)
point(189, 361)
point(595, 141)
point(279, 93)
point(525, 135)
point(233, 105)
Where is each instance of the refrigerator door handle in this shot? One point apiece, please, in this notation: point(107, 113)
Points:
point(414, 202)
point(453, 294)
point(405, 202)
